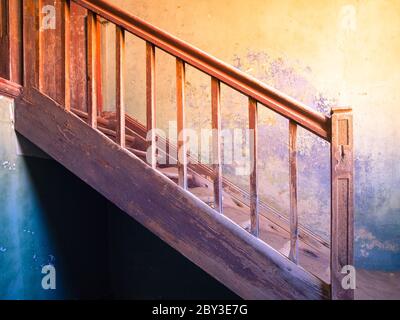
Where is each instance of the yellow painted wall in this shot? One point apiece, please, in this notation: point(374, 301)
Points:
point(321, 52)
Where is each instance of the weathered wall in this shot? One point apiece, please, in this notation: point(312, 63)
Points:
point(47, 216)
point(323, 53)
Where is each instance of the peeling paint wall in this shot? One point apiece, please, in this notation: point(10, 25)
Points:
point(322, 53)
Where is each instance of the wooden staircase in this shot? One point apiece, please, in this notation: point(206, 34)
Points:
point(227, 231)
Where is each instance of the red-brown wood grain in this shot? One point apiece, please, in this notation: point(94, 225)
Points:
point(66, 49)
point(30, 46)
point(78, 57)
point(99, 66)
point(91, 69)
point(11, 40)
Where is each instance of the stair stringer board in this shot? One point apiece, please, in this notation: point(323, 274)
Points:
point(246, 265)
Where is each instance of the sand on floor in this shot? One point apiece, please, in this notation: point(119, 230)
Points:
point(377, 285)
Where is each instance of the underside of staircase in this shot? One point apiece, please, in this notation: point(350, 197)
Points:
point(214, 242)
point(258, 256)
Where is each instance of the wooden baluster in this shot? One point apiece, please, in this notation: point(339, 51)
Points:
point(120, 85)
point(11, 40)
point(216, 143)
point(66, 41)
point(293, 217)
point(54, 53)
point(40, 50)
point(78, 47)
point(254, 218)
point(99, 69)
point(342, 206)
point(150, 101)
point(4, 41)
point(31, 47)
point(181, 117)
point(15, 35)
point(92, 72)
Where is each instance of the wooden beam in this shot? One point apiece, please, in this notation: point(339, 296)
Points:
point(342, 202)
point(120, 85)
point(216, 143)
point(253, 126)
point(92, 72)
point(151, 102)
point(181, 118)
point(244, 264)
point(293, 218)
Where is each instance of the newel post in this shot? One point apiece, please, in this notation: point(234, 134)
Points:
point(342, 203)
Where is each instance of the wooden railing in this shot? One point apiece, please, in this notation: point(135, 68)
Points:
point(337, 129)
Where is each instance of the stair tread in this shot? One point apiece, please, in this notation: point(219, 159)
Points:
point(315, 260)
point(278, 238)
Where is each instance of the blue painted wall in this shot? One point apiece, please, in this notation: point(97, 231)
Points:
point(47, 216)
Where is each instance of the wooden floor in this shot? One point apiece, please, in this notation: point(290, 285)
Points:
point(312, 257)
point(377, 285)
